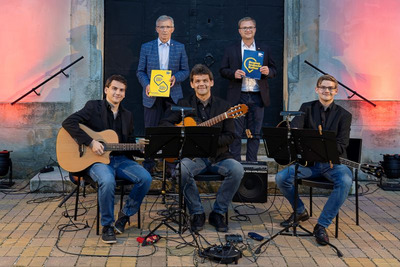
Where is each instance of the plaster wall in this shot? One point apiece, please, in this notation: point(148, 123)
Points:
point(29, 127)
point(377, 126)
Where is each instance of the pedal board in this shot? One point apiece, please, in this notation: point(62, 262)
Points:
point(225, 254)
point(233, 238)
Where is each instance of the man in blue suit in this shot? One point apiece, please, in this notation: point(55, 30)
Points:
point(161, 54)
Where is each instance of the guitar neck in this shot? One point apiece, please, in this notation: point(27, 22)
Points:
point(122, 146)
point(349, 163)
point(214, 120)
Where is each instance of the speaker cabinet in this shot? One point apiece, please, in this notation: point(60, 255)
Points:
point(254, 185)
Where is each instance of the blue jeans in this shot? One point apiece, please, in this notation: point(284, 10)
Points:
point(123, 168)
point(340, 175)
point(229, 168)
point(253, 121)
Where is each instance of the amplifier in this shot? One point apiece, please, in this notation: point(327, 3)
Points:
point(255, 167)
point(254, 185)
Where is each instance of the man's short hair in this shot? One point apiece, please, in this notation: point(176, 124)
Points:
point(200, 69)
point(164, 18)
point(118, 78)
point(247, 19)
point(327, 77)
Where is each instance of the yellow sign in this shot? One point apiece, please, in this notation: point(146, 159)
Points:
point(251, 64)
point(159, 83)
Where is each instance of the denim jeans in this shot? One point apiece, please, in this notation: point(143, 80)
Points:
point(253, 121)
point(229, 168)
point(123, 168)
point(340, 175)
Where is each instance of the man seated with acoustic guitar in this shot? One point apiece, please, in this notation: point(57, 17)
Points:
point(326, 115)
point(207, 106)
point(100, 115)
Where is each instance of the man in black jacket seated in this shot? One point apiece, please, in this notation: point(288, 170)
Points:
point(105, 114)
point(331, 117)
point(206, 107)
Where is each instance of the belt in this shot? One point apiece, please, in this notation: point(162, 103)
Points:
point(250, 92)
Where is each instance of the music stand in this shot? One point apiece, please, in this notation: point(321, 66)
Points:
point(299, 145)
point(180, 142)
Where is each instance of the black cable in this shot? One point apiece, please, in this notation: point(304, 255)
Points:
point(64, 228)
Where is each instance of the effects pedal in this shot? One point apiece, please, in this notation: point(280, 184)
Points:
point(233, 238)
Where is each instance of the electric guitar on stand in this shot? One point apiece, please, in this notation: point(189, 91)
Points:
point(74, 158)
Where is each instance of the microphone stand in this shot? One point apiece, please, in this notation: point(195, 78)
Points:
point(354, 92)
point(180, 170)
point(34, 89)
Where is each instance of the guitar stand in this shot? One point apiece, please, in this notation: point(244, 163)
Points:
point(307, 145)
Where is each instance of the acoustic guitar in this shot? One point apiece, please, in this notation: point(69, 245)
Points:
point(74, 158)
point(234, 112)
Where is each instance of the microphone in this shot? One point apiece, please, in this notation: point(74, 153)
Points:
point(178, 108)
point(291, 113)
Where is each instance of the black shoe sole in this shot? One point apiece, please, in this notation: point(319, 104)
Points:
point(223, 230)
point(322, 243)
point(109, 242)
point(196, 229)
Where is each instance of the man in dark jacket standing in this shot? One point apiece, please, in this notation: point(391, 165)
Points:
point(206, 107)
point(100, 115)
point(254, 93)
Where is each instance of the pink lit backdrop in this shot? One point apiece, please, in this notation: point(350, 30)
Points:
point(359, 44)
point(34, 45)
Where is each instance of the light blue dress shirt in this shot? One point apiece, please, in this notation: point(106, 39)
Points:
point(163, 53)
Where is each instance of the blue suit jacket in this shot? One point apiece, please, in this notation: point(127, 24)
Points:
point(149, 60)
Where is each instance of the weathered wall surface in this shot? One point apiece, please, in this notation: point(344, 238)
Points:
point(377, 126)
point(29, 128)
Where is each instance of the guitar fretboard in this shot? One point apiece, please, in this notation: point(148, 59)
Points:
point(214, 120)
point(122, 146)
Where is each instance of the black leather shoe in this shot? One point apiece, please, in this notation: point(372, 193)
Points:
point(108, 235)
point(121, 222)
point(321, 235)
point(299, 217)
point(197, 222)
point(218, 221)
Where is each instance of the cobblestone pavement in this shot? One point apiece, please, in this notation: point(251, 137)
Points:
point(30, 223)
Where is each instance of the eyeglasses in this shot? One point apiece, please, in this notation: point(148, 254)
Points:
point(247, 28)
point(330, 88)
point(165, 27)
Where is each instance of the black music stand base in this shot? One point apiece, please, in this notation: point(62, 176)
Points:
point(295, 225)
point(166, 221)
point(294, 233)
point(299, 144)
